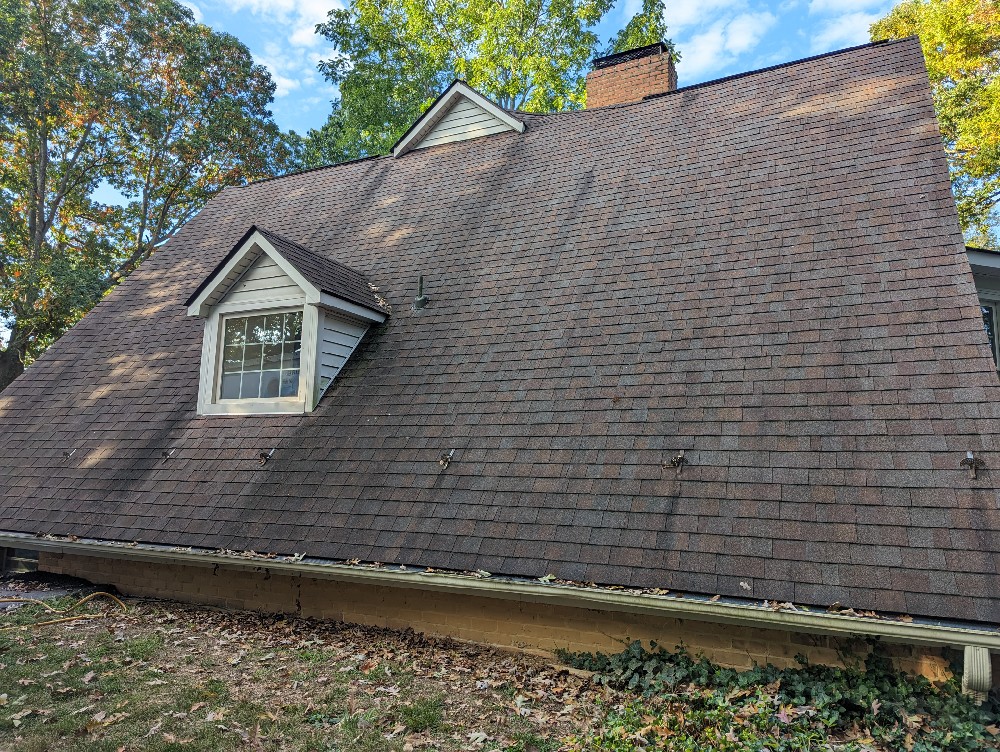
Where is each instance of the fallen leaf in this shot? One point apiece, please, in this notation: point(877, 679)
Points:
point(88, 677)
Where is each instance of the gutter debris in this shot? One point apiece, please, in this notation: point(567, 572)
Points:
point(549, 580)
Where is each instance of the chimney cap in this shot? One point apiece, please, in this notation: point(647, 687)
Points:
point(624, 57)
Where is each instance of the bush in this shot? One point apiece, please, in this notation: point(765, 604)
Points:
point(870, 702)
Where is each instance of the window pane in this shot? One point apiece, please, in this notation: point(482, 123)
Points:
point(233, 359)
point(235, 331)
point(272, 356)
point(293, 325)
point(273, 329)
point(989, 321)
point(255, 329)
point(230, 386)
point(250, 386)
point(291, 357)
point(289, 383)
point(260, 356)
point(269, 383)
point(252, 357)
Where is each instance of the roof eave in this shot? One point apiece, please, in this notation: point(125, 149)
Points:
point(749, 614)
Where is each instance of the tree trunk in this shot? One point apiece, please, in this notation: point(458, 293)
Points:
point(11, 365)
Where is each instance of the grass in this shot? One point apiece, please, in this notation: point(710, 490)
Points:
point(171, 678)
point(167, 677)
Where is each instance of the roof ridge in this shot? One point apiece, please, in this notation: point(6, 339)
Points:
point(779, 66)
point(649, 97)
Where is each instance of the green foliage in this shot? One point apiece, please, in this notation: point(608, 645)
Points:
point(393, 57)
point(961, 44)
point(134, 94)
point(646, 27)
point(789, 708)
point(423, 713)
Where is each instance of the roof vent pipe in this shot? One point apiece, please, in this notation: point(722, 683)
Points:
point(421, 300)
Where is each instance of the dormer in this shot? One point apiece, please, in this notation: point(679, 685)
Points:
point(280, 323)
point(460, 113)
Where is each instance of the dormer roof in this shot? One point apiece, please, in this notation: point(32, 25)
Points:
point(460, 113)
point(323, 280)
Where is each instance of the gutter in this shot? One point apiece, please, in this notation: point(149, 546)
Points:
point(737, 612)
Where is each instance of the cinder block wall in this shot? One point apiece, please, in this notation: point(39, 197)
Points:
point(485, 620)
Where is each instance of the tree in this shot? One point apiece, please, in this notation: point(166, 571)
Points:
point(132, 93)
point(961, 44)
point(646, 27)
point(394, 56)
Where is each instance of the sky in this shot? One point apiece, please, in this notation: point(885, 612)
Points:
point(715, 38)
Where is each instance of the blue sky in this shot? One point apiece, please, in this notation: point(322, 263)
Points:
point(715, 38)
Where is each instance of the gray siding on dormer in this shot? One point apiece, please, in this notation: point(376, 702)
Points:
point(265, 282)
point(464, 120)
point(337, 339)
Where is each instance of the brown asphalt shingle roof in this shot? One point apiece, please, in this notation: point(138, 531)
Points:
point(327, 275)
point(766, 273)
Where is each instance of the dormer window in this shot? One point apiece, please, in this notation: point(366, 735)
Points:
point(280, 323)
point(261, 356)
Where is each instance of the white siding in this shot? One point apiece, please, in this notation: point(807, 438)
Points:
point(337, 339)
point(265, 282)
point(464, 120)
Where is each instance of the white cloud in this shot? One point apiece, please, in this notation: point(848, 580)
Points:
point(722, 43)
point(684, 13)
point(296, 18)
point(843, 31)
point(745, 31)
point(843, 6)
point(195, 10)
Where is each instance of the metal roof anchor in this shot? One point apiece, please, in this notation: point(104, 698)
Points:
point(974, 464)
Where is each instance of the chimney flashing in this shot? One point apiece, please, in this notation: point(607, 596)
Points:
point(623, 57)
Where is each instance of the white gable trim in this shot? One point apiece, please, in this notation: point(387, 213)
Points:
point(242, 260)
point(458, 90)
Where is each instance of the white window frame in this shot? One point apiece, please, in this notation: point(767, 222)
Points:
point(209, 402)
point(310, 303)
point(992, 299)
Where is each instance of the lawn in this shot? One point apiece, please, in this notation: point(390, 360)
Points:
point(167, 676)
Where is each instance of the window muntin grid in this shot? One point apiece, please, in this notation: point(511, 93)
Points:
point(261, 356)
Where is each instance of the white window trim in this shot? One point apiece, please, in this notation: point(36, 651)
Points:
point(992, 298)
point(211, 365)
point(213, 313)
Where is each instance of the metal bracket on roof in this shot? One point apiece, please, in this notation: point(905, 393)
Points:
point(678, 461)
point(974, 464)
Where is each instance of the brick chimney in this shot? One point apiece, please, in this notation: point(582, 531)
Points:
point(629, 76)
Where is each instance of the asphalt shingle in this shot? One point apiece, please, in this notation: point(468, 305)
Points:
point(765, 272)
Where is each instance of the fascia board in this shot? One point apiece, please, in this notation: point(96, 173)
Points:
point(751, 615)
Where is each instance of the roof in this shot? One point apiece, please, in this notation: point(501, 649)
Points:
point(766, 273)
point(326, 274)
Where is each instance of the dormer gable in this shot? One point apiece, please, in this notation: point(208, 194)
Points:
point(280, 323)
point(460, 113)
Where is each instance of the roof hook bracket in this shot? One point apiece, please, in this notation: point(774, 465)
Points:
point(974, 464)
